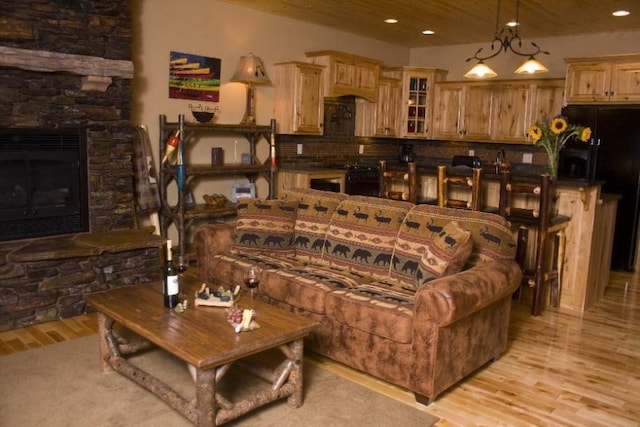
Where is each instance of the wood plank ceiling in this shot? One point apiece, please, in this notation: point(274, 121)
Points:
point(455, 21)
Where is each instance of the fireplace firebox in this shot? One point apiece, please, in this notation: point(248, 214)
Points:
point(43, 182)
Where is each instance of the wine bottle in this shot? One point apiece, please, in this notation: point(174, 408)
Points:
point(171, 287)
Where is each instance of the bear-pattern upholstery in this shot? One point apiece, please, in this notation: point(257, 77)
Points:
point(417, 295)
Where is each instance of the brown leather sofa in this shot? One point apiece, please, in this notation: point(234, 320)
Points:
point(416, 295)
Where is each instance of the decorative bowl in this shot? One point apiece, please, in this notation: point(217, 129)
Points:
point(217, 200)
point(203, 114)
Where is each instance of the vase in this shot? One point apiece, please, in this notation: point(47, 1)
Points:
point(552, 167)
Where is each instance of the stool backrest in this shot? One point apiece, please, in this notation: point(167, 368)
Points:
point(408, 179)
point(448, 184)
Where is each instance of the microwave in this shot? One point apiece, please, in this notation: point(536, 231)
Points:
point(579, 160)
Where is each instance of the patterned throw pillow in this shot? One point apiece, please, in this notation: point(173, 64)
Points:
point(265, 226)
point(445, 254)
point(315, 211)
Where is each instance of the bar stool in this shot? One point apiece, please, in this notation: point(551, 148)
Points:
point(535, 214)
point(458, 184)
point(408, 178)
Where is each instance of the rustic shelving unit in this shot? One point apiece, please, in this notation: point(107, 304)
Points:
point(181, 214)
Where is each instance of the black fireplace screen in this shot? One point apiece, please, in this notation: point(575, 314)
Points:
point(43, 182)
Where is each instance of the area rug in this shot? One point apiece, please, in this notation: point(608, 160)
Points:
point(62, 385)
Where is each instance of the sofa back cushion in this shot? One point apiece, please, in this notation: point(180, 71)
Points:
point(424, 252)
point(490, 233)
point(363, 233)
point(265, 226)
point(315, 210)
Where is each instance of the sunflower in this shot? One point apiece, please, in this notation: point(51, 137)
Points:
point(536, 133)
point(558, 125)
point(553, 134)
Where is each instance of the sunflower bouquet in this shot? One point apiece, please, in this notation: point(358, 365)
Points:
point(553, 134)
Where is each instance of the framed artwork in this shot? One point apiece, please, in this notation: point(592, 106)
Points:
point(194, 77)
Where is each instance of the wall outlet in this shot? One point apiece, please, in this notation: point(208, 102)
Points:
point(299, 149)
point(472, 152)
point(361, 149)
point(527, 157)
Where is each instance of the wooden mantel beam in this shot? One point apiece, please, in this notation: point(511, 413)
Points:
point(40, 60)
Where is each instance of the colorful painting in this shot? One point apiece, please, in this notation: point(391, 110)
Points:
point(194, 77)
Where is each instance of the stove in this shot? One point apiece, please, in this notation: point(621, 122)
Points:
point(362, 180)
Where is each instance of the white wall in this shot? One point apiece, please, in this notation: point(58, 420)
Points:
point(453, 58)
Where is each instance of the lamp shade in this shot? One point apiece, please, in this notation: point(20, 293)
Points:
point(250, 70)
point(480, 71)
point(531, 66)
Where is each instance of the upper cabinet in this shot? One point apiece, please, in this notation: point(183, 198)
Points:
point(605, 79)
point(380, 118)
point(463, 111)
point(348, 74)
point(494, 111)
point(416, 102)
point(299, 104)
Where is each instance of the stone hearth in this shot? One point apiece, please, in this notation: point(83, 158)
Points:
point(68, 64)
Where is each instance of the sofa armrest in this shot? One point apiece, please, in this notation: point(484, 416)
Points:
point(212, 239)
point(450, 298)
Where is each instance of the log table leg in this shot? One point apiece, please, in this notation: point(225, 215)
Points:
point(205, 397)
point(105, 324)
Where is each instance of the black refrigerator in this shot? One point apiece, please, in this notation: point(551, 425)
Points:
point(616, 132)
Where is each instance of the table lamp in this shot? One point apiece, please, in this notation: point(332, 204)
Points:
point(250, 71)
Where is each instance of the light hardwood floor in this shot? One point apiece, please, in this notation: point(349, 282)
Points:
point(559, 369)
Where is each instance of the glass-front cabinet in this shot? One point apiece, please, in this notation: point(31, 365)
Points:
point(416, 100)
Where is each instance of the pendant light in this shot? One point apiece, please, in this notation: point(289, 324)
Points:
point(504, 42)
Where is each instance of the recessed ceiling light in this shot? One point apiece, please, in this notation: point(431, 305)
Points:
point(391, 21)
point(512, 24)
point(621, 13)
point(428, 32)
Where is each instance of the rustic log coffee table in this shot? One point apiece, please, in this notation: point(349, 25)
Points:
point(203, 338)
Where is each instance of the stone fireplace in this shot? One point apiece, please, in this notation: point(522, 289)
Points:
point(67, 66)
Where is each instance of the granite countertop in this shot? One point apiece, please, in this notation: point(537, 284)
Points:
point(525, 172)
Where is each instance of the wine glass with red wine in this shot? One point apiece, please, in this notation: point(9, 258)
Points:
point(252, 279)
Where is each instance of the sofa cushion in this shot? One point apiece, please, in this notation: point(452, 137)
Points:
point(425, 250)
point(491, 235)
point(230, 268)
point(362, 234)
point(306, 287)
point(445, 254)
point(265, 226)
point(315, 210)
point(383, 308)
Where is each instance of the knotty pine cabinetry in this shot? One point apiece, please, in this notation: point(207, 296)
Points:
point(347, 74)
point(494, 111)
point(416, 101)
point(380, 118)
point(463, 111)
point(605, 79)
point(299, 102)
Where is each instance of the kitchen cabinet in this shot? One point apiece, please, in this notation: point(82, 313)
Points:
point(518, 105)
point(605, 79)
point(494, 111)
point(463, 111)
point(547, 99)
point(299, 102)
point(347, 74)
point(380, 118)
point(510, 118)
point(416, 102)
point(183, 212)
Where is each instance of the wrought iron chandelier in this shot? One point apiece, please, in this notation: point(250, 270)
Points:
point(504, 41)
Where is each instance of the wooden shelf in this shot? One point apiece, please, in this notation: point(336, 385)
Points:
point(181, 214)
